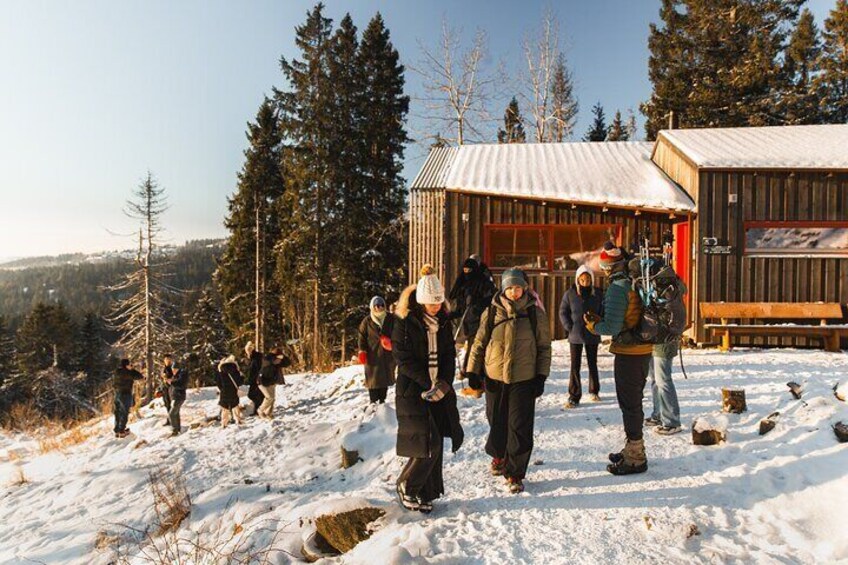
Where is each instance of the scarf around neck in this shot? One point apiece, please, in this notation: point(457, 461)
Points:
point(431, 324)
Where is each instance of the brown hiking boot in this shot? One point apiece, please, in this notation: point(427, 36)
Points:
point(498, 466)
point(516, 486)
point(632, 459)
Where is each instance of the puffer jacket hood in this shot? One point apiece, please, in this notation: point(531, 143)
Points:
point(580, 271)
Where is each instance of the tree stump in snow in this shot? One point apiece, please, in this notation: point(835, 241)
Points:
point(733, 400)
point(706, 433)
point(345, 530)
point(769, 423)
point(349, 458)
point(795, 389)
point(841, 431)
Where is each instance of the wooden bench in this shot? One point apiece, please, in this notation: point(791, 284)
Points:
point(752, 311)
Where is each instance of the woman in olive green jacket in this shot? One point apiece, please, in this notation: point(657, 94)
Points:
point(514, 344)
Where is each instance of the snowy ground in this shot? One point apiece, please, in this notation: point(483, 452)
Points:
point(779, 498)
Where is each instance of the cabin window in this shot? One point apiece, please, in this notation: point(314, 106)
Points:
point(796, 239)
point(545, 247)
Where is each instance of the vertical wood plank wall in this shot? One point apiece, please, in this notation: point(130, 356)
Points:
point(768, 196)
point(464, 238)
point(426, 231)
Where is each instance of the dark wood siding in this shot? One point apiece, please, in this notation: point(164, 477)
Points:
point(768, 196)
point(464, 237)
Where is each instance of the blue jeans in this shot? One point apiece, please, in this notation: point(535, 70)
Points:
point(666, 407)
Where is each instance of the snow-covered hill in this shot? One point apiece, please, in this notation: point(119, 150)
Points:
point(778, 498)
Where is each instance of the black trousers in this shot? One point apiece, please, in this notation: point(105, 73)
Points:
point(378, 395)
point(122, 405)
point(255, 395)
point(631, 373)
point(511, 410)
point(575, 391)
point(166, 397)
point(422, 476)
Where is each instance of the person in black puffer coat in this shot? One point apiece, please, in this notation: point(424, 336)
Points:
point(423, 346)
point(254, 365)
point(122, 382)
point(177, 391)
point(375, 352)
point(579, 299)
point(228, 379)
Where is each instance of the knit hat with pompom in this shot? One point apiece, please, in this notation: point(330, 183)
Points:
point(429, 289)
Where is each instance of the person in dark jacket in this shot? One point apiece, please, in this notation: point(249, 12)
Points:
point(228, 380)
point(177, 391)
point(122, 382)
point(471, 294)
point(583, 297)
point(379, 362)
point(167, 374)
point(270, 376)
point(254, 365)
point(514, 345)
point(623, 313)
point(424, 348)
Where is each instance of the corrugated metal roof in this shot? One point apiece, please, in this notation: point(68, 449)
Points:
point(432, 174)
point(611, 173)
point(775, 147)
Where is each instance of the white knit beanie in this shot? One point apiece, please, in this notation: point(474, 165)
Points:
point(429, 289)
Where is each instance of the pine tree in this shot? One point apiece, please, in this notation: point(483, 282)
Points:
point(564, 105)
point(716, 63)
point(7, 352)
point(617, 130)
point(245, 271)
point(311, 203)
point(206, 337)
point(144, 311)
point(800, 103)
point(598, 132)
point(45, 338)
point(630, 126)
point(513, 130)
point(833, 81)
point(91, 352)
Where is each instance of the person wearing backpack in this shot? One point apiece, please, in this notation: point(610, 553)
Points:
point(424, 348)
point(666, 408)
point(622, 314)
point(375, 352)
point(228, 380)
point(513, 345)
point(122, 383)
point(580, 298)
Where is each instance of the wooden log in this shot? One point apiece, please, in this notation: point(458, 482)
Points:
point(708, 437)
point(768, 423)
point(346, 530)
point(733, 401)
point(841, 431)
point(349, 458)
point(795, 389)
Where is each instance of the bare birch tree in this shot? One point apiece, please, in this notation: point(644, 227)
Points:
point(144, 301)
point(457, 89)
point(541, 49)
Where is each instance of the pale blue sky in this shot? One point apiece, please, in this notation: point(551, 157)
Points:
point(95, 93)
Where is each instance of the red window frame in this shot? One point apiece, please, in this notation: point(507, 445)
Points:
point(487, 248)
point(790, 224)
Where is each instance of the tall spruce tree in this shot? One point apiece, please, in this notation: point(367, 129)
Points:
point(206, 337)
point(91, 352)
point(311, 203)
point(598, 131)
point(513, 130)
point(7, 352)
point(717, 62)
point(617, 130)
point(564, 105)
point(245, 271)
point(46, 337)
point(833, 81)
point(800, 103)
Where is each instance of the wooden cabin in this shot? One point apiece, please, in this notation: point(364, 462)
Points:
point(547, 208)
point(767, 210)
point(772, 215)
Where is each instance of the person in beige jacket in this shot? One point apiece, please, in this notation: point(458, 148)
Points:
point(514, 344)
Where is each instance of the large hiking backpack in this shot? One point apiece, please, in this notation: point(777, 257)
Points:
point(663, 308)
point(490, 321)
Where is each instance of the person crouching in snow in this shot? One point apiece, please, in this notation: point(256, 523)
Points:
point(122, 382)
point(622, 314)
point(424, 349)
point(583, 297)
point(228, 379)
point(375, 352)
point(513, 344)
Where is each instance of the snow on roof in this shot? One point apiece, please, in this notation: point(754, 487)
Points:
point(618, 174)
point(776, 147)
